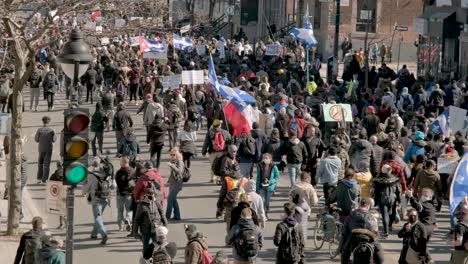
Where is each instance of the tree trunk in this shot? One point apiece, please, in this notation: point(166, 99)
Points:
point(211, 9)
point(300, 13)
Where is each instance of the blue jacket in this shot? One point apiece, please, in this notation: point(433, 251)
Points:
point(416, 148)
point(274, 177)
point(233, 236)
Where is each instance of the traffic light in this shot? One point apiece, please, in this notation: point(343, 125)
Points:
point(75, 145)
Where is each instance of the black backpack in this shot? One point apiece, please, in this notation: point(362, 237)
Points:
point(103, 190)
point(406, 101)
point(216, 166)
point(186, 175)
point(33, 243)
point(161, 256)
point(291, 244)
point(247, 147)
point(246, 243)
point(35, 79)
point(363, 253)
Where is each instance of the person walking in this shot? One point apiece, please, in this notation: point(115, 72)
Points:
point(30, 243)
point(187, 138)
point(328, 172)
point(296, 156)
point(196, 245)
point(414, 234)
point(246, 154)
point(50, 85)
point(34, 84)
point(176, 165)
point(46, 137)
point(122, 121)
point(123, 178)
point(215, 144)
point(90, 82)
point(98, 122)
point(289, 238)
point(149, 216)
point(156, 139)
point(268, 176)
point(151, 110)
point(129, 146)
point(306, 188)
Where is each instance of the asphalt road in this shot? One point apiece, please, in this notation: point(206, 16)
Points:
point(197, 200)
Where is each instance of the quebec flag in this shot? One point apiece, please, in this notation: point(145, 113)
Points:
point(238, 111)
point(182, 43)
point(459, 188)
point(441, 125)
point(305, 35)
point(152, 45)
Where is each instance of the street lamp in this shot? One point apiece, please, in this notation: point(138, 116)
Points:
point(74, 60)
point(75, 57)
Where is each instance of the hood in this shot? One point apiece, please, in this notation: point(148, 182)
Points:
point(429, 174)
point(405, 90)
point(290, 221)
point(130, 138)
point(46, 253)
point(419, 136)
point(350, 183)
point(420, 143)
point(256, 133)
point(386, 178)
point(152, 174)
point(364, 234)
point(250, 186)
point(245, 222)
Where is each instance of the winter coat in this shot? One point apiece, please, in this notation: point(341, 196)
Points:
point(328, 170)
point(310, 195)
point(273, 147)
point(301, 124)
point(98, 121)
point(242, 153)
point(416, 148)
point(358, 218)
point(416, 238)
point(152, 109)
point(364, 180)
point(46, 137)
point(426, 211)
point(376, 159)
point(176, 173)
point(273, 177)
point(279, 238)
point(51, 255)
point(123, 177)
point(143, 183)
point(360, 151)
point(346, 195)
point(208, 143)
point(122, 120)
point(358, 236)
point(371, 123)
point(236, 214)
point(22, 256)
point(428, 179)
point(129, 146)
point(386, 189)
point(194, 250)
point(156, 132)
point(232, 237)
point(149, 215)
point(295, 151)
point(187, 141)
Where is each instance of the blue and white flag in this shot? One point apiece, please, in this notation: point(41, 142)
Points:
point(441, 125)
point(459, 188)
point(182, 43)
point(305, 35)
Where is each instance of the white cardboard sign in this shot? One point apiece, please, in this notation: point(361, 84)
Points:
point(193, 77)
point(273, 50)
point(171, 82)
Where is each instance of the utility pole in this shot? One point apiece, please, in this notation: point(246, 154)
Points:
point(337, 36)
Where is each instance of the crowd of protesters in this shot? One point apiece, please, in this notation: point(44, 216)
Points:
point(376, 167)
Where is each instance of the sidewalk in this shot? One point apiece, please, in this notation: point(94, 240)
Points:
point(9, 245)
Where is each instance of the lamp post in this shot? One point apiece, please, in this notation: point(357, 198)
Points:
point(74, 61)
point(75, 58)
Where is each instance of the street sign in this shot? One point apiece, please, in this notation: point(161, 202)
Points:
point(229, 11)
point(55, 199)
point(401, 28)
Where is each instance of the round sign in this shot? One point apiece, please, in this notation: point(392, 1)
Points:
point(55, 190)
point(229, 10)
point(337, 113)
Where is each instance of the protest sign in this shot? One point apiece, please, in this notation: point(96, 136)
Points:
point(105, 41)
point(337, 112)
point(134, 41)
point(201, 49)
point(273, 50)
point(119, 23)
point(5, 124)
point(99, 29)
point(155, 55)
point(193, 77)
point(171, 82)
point(446, 165)
point(457, 117)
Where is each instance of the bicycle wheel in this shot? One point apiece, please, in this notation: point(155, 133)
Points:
point(318, 234)
point(334, 244)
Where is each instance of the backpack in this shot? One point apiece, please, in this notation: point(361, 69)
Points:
point(32, 246)
point(363, 253)
point(406, 102)
point(258, 149)
point(186, 175)
point(49, 81)
point(293, 126)
point(246, 243)
point(218, 141)
point(97, 122)
point(160, 256)
point(290, 250)
point(103, 190)
point(234, 194)
point(206, 257)
point(120, 90)
point(216, 165)
point(247, 147)
point(35, 79)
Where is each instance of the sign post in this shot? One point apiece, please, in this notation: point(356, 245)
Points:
point(55, 198)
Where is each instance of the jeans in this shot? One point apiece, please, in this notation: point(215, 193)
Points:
point(34, 94)
point(50, 100)
point(266, 195)
point(246, 169)
point(99, 205)
point(99, 137)
point(133, 92)
point(293, 170)
point(385, 208)
point(124, 202)
point(172, 137)
point(44, 166)
point(119, 134)
point(89, 93)
point(155, 154)
point(172, 201)
point(146, 240)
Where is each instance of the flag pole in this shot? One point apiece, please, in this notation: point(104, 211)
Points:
point(307, 64)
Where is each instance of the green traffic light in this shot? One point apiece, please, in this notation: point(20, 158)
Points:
point(76, 174)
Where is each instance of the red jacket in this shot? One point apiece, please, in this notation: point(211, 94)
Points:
point(397, 170)
point(301, 124)
point(143, 183)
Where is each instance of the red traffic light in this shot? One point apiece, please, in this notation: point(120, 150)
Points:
point(77, 122)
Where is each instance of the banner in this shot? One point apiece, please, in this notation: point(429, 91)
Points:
point(5, 124)
point(446, 165)
point(171, 82)
point(155, 55)
point(55, 199)
point(201, 49)
point(193, 77)
point(134, 41)
point(273, 50)
point(457, 117)
point(337, 112)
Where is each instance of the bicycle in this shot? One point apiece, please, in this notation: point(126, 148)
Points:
point(328, 229)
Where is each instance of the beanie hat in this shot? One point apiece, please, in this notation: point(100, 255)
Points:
point(419, 136)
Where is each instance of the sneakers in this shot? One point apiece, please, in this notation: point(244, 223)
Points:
point(121, 228)
point(104, 240)
point(128, 226)
point(93, 237)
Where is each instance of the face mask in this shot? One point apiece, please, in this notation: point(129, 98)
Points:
point(267, 161)
point(412, 219)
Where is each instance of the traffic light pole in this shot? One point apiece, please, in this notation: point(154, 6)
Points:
point(70, 220)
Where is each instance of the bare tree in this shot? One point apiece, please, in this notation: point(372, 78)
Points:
point(190, 6)
point(211, 9)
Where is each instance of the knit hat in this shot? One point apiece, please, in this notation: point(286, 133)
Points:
point(191, 230)
point(419, 136)
point(162, 231)
point(250, 186)
point(371, 109)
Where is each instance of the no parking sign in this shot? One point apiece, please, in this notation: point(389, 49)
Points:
point(55, 198)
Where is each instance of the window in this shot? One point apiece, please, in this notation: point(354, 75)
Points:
point(317, 14)
point(249, 12)
point(366, 15)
